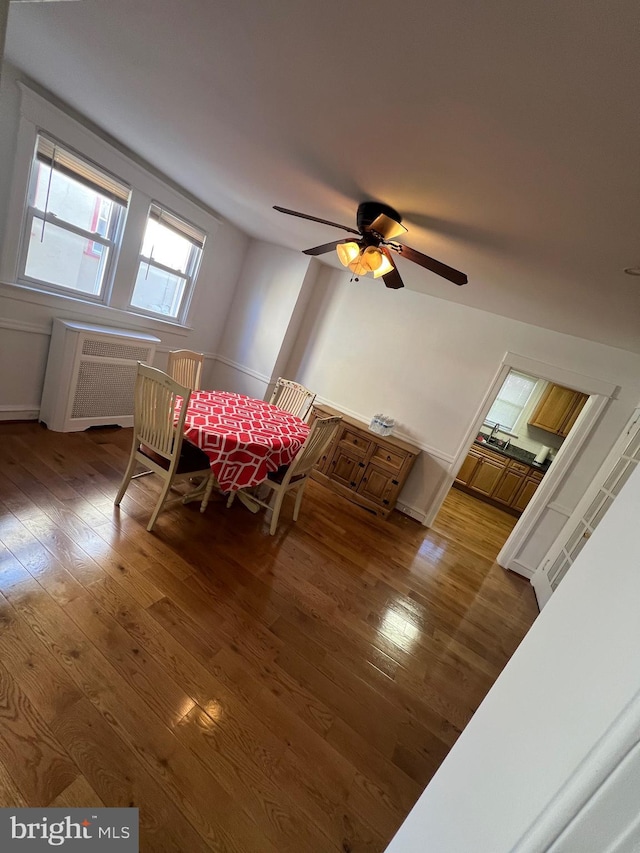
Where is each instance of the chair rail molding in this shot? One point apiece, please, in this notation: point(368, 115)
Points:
point(249, 371)
point(24, 326)
point(427, 448)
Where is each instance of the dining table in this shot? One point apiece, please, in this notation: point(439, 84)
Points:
point(245, 439)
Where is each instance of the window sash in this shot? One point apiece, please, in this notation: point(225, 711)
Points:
point(58, 157)
point(34, 213)
point(186, 291)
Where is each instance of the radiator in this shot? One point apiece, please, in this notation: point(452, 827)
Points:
point(91, 374)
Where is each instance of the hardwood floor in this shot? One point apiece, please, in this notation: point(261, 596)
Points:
point(480, 526)
point(246, 692)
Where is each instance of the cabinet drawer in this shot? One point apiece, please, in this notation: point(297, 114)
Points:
point(388, 457)
point(536, 475)
point(354, 439)
point(520, 467)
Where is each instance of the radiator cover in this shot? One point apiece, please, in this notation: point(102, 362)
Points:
point(91, 374)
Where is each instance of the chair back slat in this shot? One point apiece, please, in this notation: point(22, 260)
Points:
point(292, 397)
point(185, 367)
point(155, 423)
point(320, 435)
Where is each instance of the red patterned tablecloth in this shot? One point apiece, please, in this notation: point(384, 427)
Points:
point(245, 439)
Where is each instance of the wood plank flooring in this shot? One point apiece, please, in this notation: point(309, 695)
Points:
point(246, 692)
point(480, 526)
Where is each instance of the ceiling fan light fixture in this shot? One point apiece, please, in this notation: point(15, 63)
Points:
point(372, 258)
point(347, 253)
point(385, 267)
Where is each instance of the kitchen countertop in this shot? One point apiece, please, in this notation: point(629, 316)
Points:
point(517, 453)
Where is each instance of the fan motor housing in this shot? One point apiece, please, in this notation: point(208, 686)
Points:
point(368, 211)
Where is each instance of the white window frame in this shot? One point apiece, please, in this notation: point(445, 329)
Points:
point(112, 243)
point(189, 276)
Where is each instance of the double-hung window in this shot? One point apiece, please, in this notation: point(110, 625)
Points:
point(168, 264)
point(511, 400)
point(75, 215)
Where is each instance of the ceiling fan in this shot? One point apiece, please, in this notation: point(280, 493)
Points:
point(378, 226)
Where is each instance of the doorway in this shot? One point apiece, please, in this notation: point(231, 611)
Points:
point(525, 427)
point(541, 519)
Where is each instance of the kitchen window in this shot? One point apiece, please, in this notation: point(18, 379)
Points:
point(512, 398)
point(74, 221)
point(168, 264)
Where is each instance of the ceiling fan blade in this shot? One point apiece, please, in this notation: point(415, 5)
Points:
point(326, 247)
point(315, 219)
point(437, 267)
point(391, 279)
point(386, 227)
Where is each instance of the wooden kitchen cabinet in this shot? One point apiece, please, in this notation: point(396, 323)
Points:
point(510, 484)
point(487, 475)
point(468, 467)
point(558, 409)
point(498, 478)
point(366, 468)
point(527, 491)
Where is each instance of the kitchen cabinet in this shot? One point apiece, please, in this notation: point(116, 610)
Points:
point(527, 491)
point(362, 466)
point(511, 483)
point(498, 478)
point(558, 409)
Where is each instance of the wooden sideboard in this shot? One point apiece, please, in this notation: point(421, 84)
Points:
point(362, 466)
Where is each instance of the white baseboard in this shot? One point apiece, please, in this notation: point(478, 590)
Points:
point(19, 413)
point(520, 569)
point(411, 511)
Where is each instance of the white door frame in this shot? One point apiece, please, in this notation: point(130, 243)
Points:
point(599, 393)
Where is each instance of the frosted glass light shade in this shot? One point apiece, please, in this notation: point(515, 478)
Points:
point(347, 253)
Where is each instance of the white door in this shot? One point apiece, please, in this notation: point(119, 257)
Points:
point(611, 477)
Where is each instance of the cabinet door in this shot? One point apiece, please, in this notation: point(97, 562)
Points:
point(486, 476)
point(378, 485)
point(468, 468)
point(554, 408)
point(508, 486)
point(572, 417)
point(346, 467)
point(526, 493)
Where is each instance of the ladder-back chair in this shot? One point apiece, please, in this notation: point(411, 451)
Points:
point(294, 476)
point(158, 440)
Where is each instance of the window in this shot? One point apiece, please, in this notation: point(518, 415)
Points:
point(168, 264)
point(511, 400)
point(75, 215)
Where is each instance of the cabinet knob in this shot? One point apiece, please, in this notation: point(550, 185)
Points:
point(385, 501)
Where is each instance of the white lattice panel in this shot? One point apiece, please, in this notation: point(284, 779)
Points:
point(115, 350)
point(104, 389)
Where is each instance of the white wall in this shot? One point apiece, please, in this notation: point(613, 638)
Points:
point(572, 685)
point(26, 314)
point(262, 318)
point(428, 363)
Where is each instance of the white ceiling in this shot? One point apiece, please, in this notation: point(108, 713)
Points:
point(507, 134)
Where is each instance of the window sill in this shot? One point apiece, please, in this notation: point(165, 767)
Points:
point(86, 307)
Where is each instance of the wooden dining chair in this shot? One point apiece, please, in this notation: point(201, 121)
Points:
point(158, 440)
point(293, 478)
point(185, 367)
point(292, 397)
